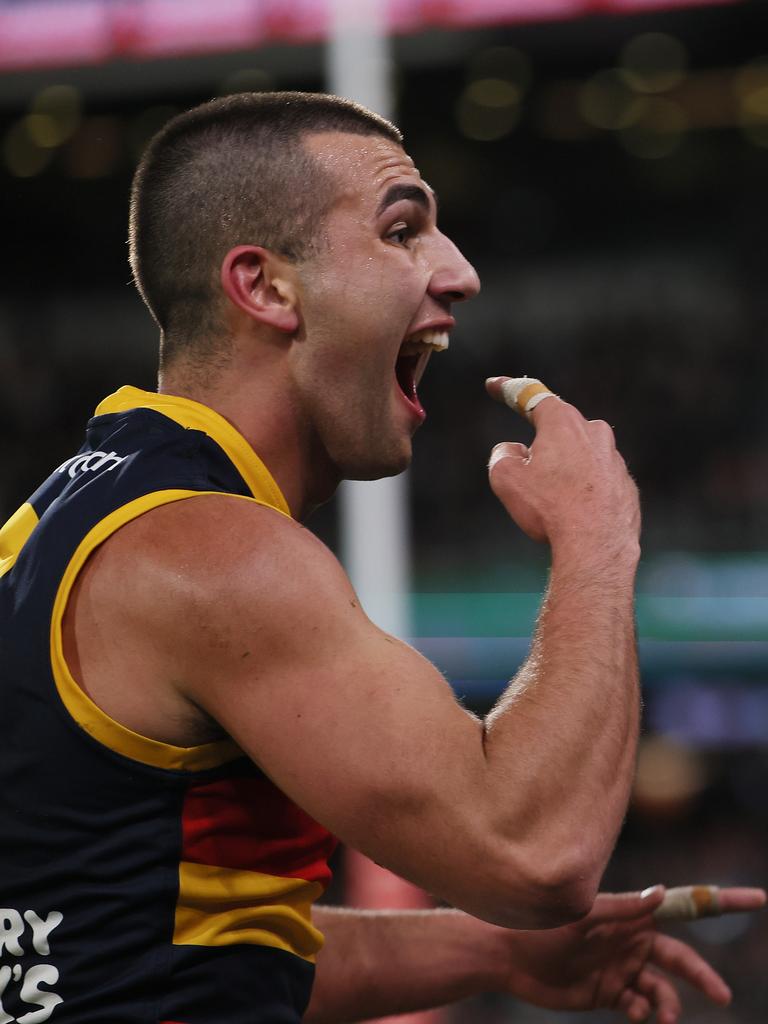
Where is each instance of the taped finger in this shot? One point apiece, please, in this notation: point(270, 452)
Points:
point(688, 902)
point(523, 394)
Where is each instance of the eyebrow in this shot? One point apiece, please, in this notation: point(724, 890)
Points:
point(397, 192)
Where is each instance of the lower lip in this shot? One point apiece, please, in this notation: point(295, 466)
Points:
point(414, 408)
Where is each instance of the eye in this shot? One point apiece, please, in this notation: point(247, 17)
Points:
point(400, 234)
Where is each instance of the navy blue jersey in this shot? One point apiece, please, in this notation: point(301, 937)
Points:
point(140, 883)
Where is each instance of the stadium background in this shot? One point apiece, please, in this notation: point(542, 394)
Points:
point(605, 171)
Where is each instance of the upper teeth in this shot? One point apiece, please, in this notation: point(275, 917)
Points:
point(434, 337)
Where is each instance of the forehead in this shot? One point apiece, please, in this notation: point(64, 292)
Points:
point(365, 166)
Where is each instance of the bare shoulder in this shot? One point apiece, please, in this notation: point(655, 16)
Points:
point(225, 523)
point(217, 577)
point(182, 599)
point(218, 554)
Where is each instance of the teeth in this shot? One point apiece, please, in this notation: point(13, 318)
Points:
point(433, 337)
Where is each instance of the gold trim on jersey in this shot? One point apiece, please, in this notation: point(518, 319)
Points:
point(228, 906)
point(195, 416)
point(85, 712)
point(88, 714)
point(110, 733)
point(15, 534)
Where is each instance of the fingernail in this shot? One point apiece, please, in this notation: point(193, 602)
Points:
point(491, 380)
point(650, 891)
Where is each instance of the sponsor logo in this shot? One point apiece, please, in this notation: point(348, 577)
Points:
point(26, 934)
point(89, 464)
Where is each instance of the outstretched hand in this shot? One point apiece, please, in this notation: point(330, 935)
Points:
point(615, 957)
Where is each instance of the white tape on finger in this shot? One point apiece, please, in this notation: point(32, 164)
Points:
point(688, 902)
point(523, 394)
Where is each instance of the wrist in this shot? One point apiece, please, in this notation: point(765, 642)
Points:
point(491, 954)
point(616, 559)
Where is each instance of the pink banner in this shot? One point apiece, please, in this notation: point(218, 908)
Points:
point(48, 33)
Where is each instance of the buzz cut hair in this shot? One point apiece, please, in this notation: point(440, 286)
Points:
point(233, 171)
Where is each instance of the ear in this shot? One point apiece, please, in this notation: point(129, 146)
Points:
point(261, 283)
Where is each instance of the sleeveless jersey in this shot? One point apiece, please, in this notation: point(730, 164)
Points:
point(140, 883)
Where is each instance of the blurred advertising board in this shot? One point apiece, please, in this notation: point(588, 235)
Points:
point(59, 33)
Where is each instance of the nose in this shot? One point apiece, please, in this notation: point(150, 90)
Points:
point(454, 279)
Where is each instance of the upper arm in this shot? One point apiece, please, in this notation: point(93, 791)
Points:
point(267, 636)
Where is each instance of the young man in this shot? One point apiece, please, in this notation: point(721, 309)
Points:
point(193, 701)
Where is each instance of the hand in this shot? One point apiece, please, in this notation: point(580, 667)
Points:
point(616, 958)
point(571, 482)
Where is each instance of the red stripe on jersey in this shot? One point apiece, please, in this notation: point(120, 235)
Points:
point(249, 824)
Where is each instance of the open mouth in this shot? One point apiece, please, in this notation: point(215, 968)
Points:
point(412, 362)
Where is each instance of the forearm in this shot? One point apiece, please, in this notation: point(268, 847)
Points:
point(525, 815)
point(563, 737)
point(379, 963)
point(559, 748)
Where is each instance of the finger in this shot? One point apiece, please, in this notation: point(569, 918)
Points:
point(662, 996)
point(634, 1006)
point(507, 472)
point(602, 431)
point(493, 387)
point(680, 959)
point(688, 902)
point(523, 394)
point(626, 906)
point(508, 450)
point(735, 900)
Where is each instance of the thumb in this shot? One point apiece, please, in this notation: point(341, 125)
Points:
point(626, 906)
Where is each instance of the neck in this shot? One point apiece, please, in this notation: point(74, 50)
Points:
point(259, 404)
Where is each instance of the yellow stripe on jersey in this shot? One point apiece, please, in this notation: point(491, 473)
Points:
point(15, 534)
point(195, 416)
point(227, 906)
point(89, 715)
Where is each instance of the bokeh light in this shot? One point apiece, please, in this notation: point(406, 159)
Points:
point(653, 62)
point(669, 776)
point(488, 109)
point(606, 101)
point(24, 156)
point(57, 110)
point(504, 62)
point(658, 131)
point(750, 87)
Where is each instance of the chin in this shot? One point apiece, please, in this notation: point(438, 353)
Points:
point(376, 466)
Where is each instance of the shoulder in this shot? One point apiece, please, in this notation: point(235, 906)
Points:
point(204, 547)
point(207, 576)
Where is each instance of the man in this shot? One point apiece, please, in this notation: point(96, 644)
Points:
point(198, 702)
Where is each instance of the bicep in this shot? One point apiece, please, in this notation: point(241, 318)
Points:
point(354, 725)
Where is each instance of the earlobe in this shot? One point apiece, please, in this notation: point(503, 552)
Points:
point(256, 281)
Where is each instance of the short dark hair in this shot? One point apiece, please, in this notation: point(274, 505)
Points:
point(230, 172)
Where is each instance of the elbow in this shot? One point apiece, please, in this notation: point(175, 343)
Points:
point(544, 894)
point(561, 899)
point(564, 885)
